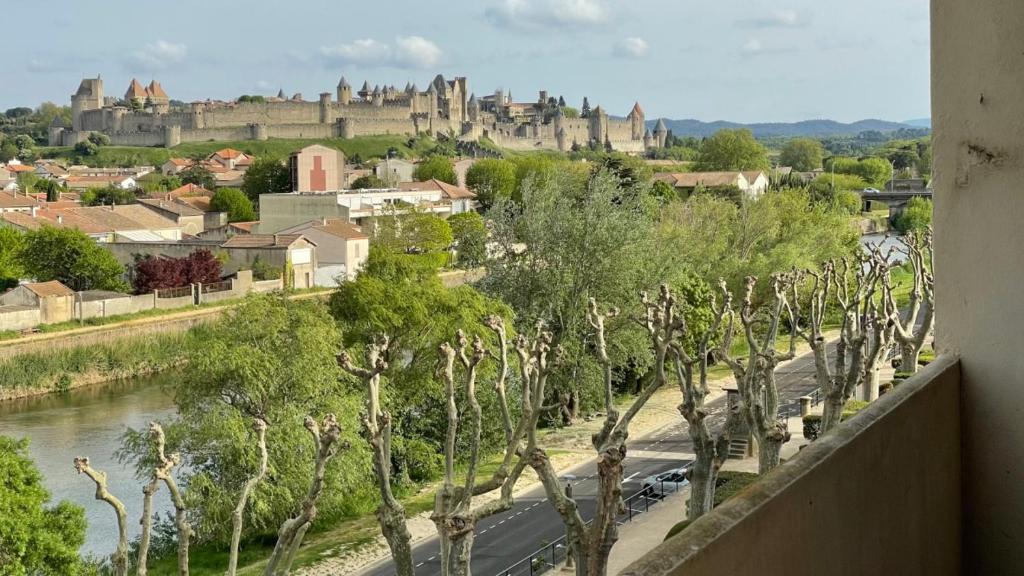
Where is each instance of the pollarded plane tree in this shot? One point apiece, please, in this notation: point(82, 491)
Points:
point(377, 431)
point(710, 451)
point(455, 513)
point(914, 326)
point(119, 560)
point(755, 375)
point(855, 290)
point(591, 543)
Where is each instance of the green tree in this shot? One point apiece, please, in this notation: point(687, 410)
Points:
point(367, 182)
point(436, 168)
point(732, 150)
point(99, 139)
point(86, 148)
point(915, 217)
point(424, 235)
point(470, 236)
point(490, 179)
point(10, 266)
point(265, 176)
point(27, 182)
point(200, 176)
point(231, 200)
point(802, 154)
point(877, 171)
point(271, 358)
point(35, 539)
point(108, 196)
point(71, 257)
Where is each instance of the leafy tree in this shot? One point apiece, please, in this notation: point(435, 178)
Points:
point(34, 539)
point(52, 188)
point(27, 182)
point(86, 148)
point(108, 196)
point(71, 257)
point(470, 235)
point(802, 154)
point(421, 234)
point(367, 182)
point(200, 175)
point(877, 171)
point(270, 358)
point(436, 167)
point(916, 217)
point(490, 179)
point(265, 176)
point(10, 266)
point(235, 203)
point(8, 151)
point(19, 112)
point(24, 142)
point(732, 150)
point(163, 272)
point(99, 139)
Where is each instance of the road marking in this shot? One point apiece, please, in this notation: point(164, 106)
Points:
point(420, 564)
point(500, 523)
point(493, 526)
point(630, 477)
point(431, 559)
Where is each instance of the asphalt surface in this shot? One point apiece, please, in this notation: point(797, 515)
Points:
point(532, 524)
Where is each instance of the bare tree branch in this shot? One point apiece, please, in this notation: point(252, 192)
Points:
point(120, 557)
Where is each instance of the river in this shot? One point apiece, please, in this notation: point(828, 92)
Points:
point(89, 422)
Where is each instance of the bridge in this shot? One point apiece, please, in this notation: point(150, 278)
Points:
point(895, 196)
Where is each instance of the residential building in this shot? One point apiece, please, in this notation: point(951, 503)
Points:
point(341, 248)
point(175, 165)
point(103, 223)
point(317, 168)
point(394, 170)
point(231, 159)
point(55, 301)
point(191, 219)
point(752, 183)
point(82, 183)
point(282, 211)
point(13, 202)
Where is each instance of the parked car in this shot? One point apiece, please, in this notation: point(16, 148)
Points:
point(666, 483)
point(871, 191)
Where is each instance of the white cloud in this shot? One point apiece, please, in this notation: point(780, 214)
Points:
point(752, 46)
point(365, 51)
point(782, 18)
point(416, 52)
point(632, 48)
point(547, 13)
point(407, 52)
point(157, 56)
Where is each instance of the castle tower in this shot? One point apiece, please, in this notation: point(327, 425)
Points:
point(378, 96)
point(598, 126)
point(560, 136)
point(432, 97)
point(364, 92)
point(135, 93)
point(660, 133)
point(648, 139)
point(325, 107)
point(473, 108)
point(558, 118)
point(281, 95)
point(344, 92)
point(88, 97)
point(636, 120)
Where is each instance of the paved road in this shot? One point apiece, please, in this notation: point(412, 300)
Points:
point(532, 523)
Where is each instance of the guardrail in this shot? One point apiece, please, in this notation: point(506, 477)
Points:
point(554, 553)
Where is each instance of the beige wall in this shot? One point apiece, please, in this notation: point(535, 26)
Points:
point(978, 122)
point(309, 176)
point(879, 495)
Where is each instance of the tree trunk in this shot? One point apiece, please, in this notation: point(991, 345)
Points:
point(237, 515)
point(769, 450)
point(147, 525)
point(120, 558)
point(869, 391)
point(832, 410)
point(909, 355)
point(603, 531)
point(703, 475)
point(462, 554)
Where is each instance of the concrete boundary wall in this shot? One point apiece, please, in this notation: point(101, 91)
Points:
point(866, 498)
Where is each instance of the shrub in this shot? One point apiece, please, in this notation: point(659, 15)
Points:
point(812, 426)
point(729, 484)
point(422, 462)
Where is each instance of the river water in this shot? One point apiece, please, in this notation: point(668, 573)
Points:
point(89, 422)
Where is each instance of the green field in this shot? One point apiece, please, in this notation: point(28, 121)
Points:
point(365, 146)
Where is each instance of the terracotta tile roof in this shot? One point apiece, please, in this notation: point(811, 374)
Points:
point(20, 168)
point(752, 175)
point(244, 227)
point(263, 241)
point(449, 191)
point(156, 90)
point(334, 226)
point(227, 153)
point(201, 203)
point(181, 162)
point(12, 200)
point(189, 190)
point(91, 181)
point(135, 90)
point(22, 220)
point(172, 206)
point(693, 179)
point(637, 109)
point(49, 289)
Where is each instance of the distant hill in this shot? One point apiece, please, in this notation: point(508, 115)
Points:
point(818, 128)
point(919, 122)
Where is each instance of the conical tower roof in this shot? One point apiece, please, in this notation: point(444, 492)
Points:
point(343, 83)
point(637, 110)
point(660, 126)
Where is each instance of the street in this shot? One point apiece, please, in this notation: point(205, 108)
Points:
point(532, 523)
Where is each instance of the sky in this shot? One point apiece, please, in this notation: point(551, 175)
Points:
point(739, 60)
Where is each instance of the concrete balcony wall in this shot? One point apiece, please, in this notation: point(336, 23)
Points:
point(878, 495)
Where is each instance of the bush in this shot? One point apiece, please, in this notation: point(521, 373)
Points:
point(436, 167)
point(421, 461)
point(812, 426)
point(729, 484)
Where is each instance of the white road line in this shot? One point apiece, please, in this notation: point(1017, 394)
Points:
point(431, 559)
point(500, 523)
point(630, 477)
point(420, 564)
point(493, 526)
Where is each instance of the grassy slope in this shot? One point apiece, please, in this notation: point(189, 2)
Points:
point(365, 146)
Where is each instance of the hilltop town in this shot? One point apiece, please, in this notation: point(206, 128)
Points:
point(144, 116)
